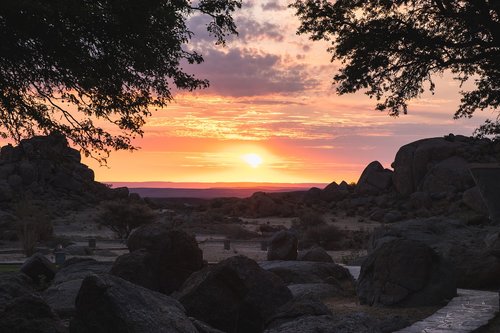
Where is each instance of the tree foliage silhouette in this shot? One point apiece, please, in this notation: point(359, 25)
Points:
point(78, 66)
point(392, 48)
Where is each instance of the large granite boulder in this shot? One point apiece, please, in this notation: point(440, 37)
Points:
point(38, 267)
point(315, 254)
point(236, 295)
point(413, 160)
point(473, 199)
point(374, 179)
point(61, 294)
point(464, 246)
point(29, 314)
point(283, 246)
point(14, 285)
point(106, 303)
point(299, 306)
point(139, 267)
point(405, 273)
point(449, 175)
point(173, 256)
point(300, 272)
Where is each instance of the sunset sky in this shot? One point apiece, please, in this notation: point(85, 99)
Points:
point(271, 95)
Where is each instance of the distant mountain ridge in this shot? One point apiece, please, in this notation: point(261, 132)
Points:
point(220, 190)
point(212, 185)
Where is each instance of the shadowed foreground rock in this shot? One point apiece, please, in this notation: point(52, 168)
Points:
point(405, 273)
point(108, 304)
point(38, 267)
point(13, 285)
point(29, 314)
point(469, 249)
point(167, 259)
point(236, 295)
point(61, 294)
point(283, 246)
point(315, 254)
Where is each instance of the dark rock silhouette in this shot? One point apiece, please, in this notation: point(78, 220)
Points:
point(315, 254)
point(283, 246)
point(61, 294)
point(39, 267)
point(170, 257)
point(374, 179)
point(235, 295)
point(14, 285)
point(30, 313)
point(467, 248)
point(405, 273)
point(107, 303)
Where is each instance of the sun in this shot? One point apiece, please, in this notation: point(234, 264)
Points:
point(252, 159)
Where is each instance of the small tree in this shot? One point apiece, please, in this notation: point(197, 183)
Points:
point(33, 224)
point(124, 215)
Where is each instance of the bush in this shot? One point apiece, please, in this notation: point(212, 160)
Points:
point(122, 216)
point(309, 219)
point(33, 224)
point(326, 236)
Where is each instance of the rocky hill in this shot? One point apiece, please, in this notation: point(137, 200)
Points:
point(45, 167)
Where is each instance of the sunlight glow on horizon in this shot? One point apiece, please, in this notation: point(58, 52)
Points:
point(252, 159)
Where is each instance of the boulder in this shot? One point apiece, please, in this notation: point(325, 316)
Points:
point(420, 200)
point(61, 294)
point(78, 250)
point(460, 244)
point(283, 246)
point(333, 192)
point(299, 306)
point(473, 199)
point(29, 314)
point(412, 161)
point(14, 285)
point(317, 290)
point(315, 254)
point(357, 322)
point(449, 175)
point(374, 179)
point(392, 216)
point(405, 273)
point(38, 267)
point(236, 295)
point(80, 268)
point(175, 254)
point(106, 303)
point(300, 272)
point(139, 267)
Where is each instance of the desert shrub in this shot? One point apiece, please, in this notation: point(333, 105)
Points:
point(308, 219)
point(33, 224)
point(122, 216)
point(326, 236)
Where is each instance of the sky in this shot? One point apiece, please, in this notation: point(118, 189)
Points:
point(271, 96)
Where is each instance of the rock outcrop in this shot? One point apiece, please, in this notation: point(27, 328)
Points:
point(374, 179)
